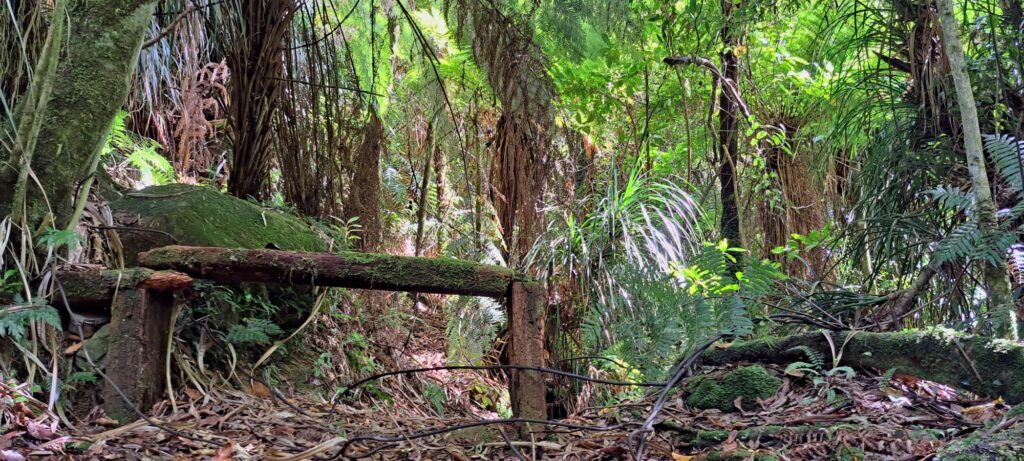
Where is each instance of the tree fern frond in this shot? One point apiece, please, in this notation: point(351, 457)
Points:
point(14, 321)
point(815, 358)
point(1006, 154)
point(952, 198)
point(962, 242)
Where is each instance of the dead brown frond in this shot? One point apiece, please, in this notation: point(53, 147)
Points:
point(199, 101)
point(179, 94)
point(514, 65)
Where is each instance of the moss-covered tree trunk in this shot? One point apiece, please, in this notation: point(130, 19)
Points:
point(90, 85)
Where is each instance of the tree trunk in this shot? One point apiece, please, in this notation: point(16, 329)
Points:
point(91, 83)
point(364, 193)
point(728, 135)
point(995, 275)
point(429, 152)
point(522, 143)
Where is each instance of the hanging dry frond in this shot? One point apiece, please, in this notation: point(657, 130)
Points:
point(364, 199)
point(316, 134)
point(180, 91)
point(22, 32)
point(503, 47)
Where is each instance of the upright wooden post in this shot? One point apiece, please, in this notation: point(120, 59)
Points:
point(526, 326)
point(139, 325)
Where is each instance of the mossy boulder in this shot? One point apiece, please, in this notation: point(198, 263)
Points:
point(1004, 445)
point(749, 383)
point(181, 214)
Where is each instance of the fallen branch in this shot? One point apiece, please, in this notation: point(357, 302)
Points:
point(170, 27)
point(391, 440)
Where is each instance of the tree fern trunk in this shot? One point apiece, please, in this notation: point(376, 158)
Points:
point(728, 135)
point(995, 275)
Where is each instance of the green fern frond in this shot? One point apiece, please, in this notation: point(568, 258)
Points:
point(962, 242)
point(815, 358)
point(1006, 154)
point(952, 198)
point(254, 331)
point(154, 168)
point(14, 322)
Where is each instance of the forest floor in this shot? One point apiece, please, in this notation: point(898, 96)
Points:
point(837, 417)
point(815, 414)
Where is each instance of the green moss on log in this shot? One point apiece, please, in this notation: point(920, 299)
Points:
point(986, 366)
point(346, 269)
point(96, 289)
point(749, 383)
point(1004, 445)
point(201, 216)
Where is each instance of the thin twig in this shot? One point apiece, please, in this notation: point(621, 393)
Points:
point(511, 446)
point(170, 27)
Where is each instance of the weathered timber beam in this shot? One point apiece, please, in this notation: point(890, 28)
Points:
point(140, 320)
point(141, 303)
point(985, 366)
point(347, 269)
point(526, 347)
point(95, 289)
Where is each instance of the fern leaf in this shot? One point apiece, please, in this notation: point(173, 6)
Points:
point(254, 331)
point(1006, 154)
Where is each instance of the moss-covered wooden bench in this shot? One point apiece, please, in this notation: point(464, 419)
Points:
point(141, 311)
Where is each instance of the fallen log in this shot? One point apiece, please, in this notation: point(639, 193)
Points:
point(347, 269)
point(985, 366)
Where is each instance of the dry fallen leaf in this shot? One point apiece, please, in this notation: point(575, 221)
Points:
point(72, 349)
point(224, 453)
point(11, 455)
point(41, 431)
point(679, 457)
point(106, 422)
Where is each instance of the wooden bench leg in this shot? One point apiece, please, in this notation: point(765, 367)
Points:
point(526, 325)
point(139, 322)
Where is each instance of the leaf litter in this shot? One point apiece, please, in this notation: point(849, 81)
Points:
point(864, 416)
